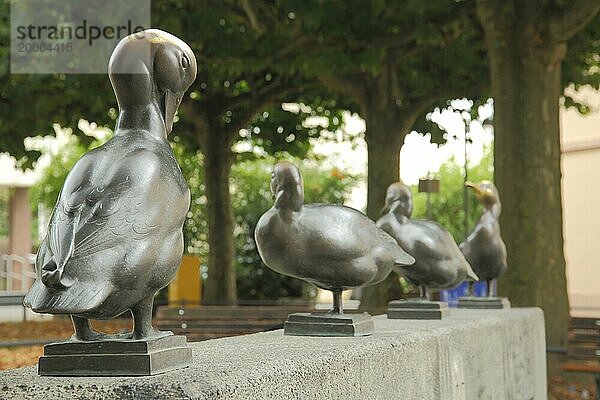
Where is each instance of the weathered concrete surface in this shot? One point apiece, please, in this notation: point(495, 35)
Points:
point(472, 354)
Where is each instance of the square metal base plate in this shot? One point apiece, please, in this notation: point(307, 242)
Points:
point(483, 302)
point(417, 309)
point(115, 357)
point(326, 324)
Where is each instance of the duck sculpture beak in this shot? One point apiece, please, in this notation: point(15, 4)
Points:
point(475, 188)
point(387, 207)
point(171, 103)
point(278, 197)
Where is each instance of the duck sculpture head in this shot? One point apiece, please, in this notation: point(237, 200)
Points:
point(398, 200)
point(488, 196)
point(150, 71)
point(287, 187)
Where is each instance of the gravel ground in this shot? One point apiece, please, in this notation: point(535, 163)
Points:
point(559, 389)
point(57, 328)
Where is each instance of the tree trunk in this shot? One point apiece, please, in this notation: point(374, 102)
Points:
point(384, 139)
point(387, 127)
point(383, 144)
point(221, 283)
point(525, 68)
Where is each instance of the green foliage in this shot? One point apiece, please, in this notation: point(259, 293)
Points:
point(243, 70)
point(447, 205)
point(250, 53)
point(195, 229)
point(581, 65)
point(399, 52)
point(4, 194)
point(280, 130)
point(250, 195)
point(469, 113)
point(47, 189)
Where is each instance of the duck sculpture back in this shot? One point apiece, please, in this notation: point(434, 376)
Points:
point(484, 248)
point(115, 235)
point(332, 246)
point(439, 262)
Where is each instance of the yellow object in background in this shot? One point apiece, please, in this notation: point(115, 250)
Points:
point(186, 288)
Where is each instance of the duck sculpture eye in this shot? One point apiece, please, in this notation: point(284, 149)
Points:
point(185, 62)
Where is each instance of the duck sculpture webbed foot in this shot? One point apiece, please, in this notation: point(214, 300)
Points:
point(470, 288)
point(329, 323)
point(84, 331)
point(421, 307)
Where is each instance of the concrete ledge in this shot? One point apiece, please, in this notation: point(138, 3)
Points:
point(472, 354)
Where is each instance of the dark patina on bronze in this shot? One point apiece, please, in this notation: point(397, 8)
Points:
point(332, 246)
point(485, 250)
point(115, 236)
point(439, 262)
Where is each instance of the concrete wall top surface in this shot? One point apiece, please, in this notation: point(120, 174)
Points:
point(491, 354)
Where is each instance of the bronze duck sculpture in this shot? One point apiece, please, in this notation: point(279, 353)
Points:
point(439, 262)
point(332, 246)
point(484, 248)
point(115, 235)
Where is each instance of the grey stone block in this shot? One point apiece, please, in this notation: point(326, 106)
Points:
point(417, 309)
point(470, 355)
point(473, 302)
point(115, 357)
point(325, 324)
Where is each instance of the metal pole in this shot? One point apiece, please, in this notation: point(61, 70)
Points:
point(429, 202)
point(466, 178)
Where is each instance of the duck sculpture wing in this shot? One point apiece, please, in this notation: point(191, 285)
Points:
point(479, 237)
point(485, 250)
point(93, 215)
point(350, 234)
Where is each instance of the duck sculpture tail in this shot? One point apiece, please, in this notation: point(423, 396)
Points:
point(471, 275)
point(61, 244)
point(52, 276)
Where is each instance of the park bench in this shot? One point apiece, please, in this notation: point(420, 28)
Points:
point(13, 299)
point(583, 350)
point(214, 321)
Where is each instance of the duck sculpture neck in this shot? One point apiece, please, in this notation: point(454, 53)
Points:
point(492, 211)
point(398, 201)
point(287, 188)
point(147, 118)
point(400, 212)
point(150, 82)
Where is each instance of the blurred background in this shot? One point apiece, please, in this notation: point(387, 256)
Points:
point(358, 94)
